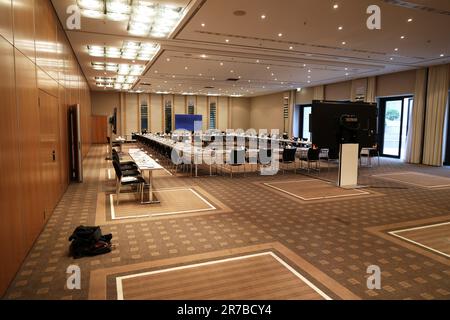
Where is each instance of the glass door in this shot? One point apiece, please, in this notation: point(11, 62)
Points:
point(393, 122)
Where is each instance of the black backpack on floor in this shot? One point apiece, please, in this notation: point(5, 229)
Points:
point(88, 242)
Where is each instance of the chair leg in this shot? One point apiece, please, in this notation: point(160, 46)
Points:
point(117, 193)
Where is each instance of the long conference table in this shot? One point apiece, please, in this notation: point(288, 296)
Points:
point(195, 155)
point(146, 164)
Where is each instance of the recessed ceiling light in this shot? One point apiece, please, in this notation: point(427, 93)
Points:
point(441, 55)
point(232, 71)
point(257, 61)
point(227, 40)
point(344, 43)
point(276, 79)
point(203, 56)
point(309, 81)
point(340, 27)
point(346, 69)
point(309, 71)
point(185, 68)
point(402, 37)
point(335, 6)
point(200, 74)
point(291, 47)
point(268, 68)
point(396, 49)
point(280, 34)
point(221, 63)
point(272, 74)
point(263, 16)
point(168, 59)
point(203, 25)
point(173, 76)
point(410, 19)
point(156, 71)
point(309, 77)
point(391, 58)
point(346, 74)
point(304, 65)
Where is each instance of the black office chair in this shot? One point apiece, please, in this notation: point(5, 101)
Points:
point(324, 154)
point(312, 156)
point(237, 159)
point(288, 158)
point(123, 180)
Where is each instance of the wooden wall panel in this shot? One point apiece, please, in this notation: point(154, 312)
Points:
point(29, 126)
point(46, 83)
point(6, 19)
point(38, 39)
point(23, 11)
point(156, 113)
point(46, 39)
point(49, 146)
point(11, 232)
point(179, 104)
point(99, 129)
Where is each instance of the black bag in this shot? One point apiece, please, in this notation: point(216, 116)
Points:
point(89, 241)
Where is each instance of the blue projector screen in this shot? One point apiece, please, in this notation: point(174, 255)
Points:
point(188, 122)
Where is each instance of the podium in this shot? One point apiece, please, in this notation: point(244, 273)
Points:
point(348, 165)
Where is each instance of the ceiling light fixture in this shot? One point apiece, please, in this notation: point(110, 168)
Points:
point(410, 20)
point(280, 34)
point(263, 16)
point(402, 37)
point(144, 17)
point(130, 50)
point(291, 47)
point(441, 55)
point(203, 25)
point(340, 27)
point(396, 49)
point(344, 43)
point(335, 6)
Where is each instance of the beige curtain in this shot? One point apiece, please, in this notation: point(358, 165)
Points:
point(371, 89)
point(319, 93)
point(435, 115)
point(415, 137)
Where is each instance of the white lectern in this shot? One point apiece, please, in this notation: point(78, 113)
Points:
point(348, 165)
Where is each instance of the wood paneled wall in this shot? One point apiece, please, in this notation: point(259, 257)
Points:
point(40, 77)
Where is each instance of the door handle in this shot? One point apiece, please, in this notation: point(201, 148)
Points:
point(54, 155)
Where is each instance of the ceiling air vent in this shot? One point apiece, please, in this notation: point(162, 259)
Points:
point(209, 87)
point(145, 84)
point(233, 79)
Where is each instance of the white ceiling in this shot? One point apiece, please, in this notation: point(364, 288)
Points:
point(310, 48)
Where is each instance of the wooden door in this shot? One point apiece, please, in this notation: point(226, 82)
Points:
point(50, 150)
point(99, 129)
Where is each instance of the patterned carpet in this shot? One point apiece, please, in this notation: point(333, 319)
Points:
point(330, 242)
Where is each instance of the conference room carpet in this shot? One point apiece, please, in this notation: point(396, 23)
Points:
point(240, 238)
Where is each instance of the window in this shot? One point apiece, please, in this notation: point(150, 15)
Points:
point(212, 115)
point(144, 116)
point(168, 116)
point(393, 125)
point(304, 114)
point(191, 108)
point(286, 114)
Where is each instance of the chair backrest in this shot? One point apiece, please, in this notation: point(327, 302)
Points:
point(265, 156)
point(324, 153)
point(313, 154)
point(117, 169)
point(289, 154)
point(177, 156)
point(237, 156)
